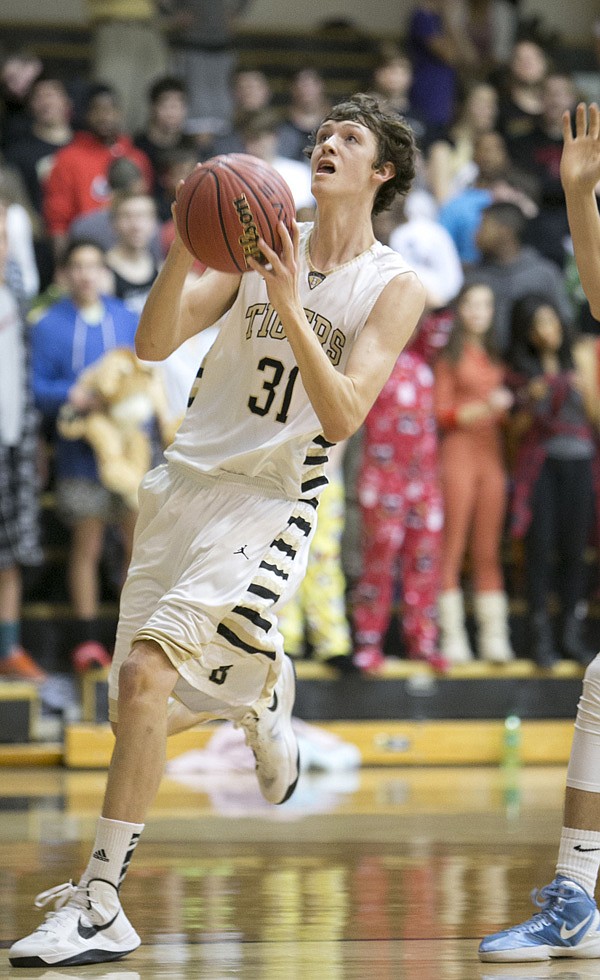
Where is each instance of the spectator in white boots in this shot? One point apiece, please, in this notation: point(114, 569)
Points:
point(471, 403)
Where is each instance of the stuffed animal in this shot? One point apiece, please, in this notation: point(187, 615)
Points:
point(129, 394)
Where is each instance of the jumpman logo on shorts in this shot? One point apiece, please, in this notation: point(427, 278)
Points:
point(242, 551)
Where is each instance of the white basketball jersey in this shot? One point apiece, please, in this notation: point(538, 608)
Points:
point(249, 418)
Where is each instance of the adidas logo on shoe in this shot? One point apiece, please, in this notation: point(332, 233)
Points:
point(101, 855)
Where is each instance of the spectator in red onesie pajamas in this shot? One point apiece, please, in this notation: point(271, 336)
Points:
point(401, 510)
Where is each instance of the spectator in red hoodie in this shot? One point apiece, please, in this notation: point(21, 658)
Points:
point(77, 183)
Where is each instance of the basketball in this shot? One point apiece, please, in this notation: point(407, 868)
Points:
point(227, 204)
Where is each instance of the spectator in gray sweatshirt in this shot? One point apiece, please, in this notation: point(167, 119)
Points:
point(512, 269)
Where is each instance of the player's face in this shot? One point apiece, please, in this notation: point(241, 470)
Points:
point(342, 160)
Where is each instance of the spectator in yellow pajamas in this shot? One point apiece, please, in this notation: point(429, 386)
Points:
point(317, 613)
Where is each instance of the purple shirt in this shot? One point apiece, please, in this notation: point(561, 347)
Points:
point(434, 81)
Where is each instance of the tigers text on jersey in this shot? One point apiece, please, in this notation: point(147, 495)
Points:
point(249, 417)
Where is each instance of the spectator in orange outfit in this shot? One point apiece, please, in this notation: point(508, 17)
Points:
point(471, 402)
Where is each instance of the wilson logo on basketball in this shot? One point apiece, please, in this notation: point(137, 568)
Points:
point(249, 240)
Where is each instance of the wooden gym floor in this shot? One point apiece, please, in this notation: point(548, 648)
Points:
point(382, 873)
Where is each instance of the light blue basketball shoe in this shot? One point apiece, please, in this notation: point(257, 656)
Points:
point(568, 924)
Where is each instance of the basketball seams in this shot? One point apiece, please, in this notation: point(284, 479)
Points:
point(270, 175)
point(240, 194)
point(190, 199)
point(255, 198)
point(273, 176)
point(224, 229)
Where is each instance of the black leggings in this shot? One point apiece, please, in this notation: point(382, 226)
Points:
point(562, 507)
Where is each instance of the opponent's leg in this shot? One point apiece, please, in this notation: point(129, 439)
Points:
point(568, 923)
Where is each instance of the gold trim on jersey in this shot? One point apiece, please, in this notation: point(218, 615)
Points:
point(312, 269)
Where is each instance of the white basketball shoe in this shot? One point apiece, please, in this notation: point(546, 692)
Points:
point(88, 925)
point(269, 733)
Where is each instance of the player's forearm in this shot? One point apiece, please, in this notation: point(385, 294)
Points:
point(584, 223)
point(158, 332)
point(332, 395)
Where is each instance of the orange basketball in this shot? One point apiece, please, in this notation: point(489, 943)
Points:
point(227, 204)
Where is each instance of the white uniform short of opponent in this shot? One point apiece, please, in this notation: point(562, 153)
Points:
point(225, 524)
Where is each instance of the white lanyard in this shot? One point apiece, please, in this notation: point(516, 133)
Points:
point(109, 339)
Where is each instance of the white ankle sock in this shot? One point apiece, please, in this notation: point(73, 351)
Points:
point(579, 857)
point(113, 848)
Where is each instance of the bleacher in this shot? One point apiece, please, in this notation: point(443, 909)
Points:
point(342, 54)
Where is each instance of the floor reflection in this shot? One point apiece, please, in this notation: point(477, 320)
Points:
point(380, 875)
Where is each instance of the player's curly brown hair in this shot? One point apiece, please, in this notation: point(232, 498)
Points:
point(395, 141)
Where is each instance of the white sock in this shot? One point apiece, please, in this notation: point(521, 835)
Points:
point(113, 848)
point(579, 857)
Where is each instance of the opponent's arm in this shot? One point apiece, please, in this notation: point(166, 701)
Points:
point(580, 174)
point(342, 401)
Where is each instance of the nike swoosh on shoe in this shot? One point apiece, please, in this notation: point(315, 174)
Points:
point(88, 932)
point(569, 933)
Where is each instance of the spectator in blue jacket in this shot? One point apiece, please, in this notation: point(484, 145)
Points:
point(74, 333)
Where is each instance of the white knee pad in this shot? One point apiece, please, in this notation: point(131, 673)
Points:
point(584, 762)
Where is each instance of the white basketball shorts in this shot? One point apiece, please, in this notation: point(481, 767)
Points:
point(211, 561)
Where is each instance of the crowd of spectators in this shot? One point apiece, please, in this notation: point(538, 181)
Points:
point(483, 442)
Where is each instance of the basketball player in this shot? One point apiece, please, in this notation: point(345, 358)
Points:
point(306, 342)
point(568, 923)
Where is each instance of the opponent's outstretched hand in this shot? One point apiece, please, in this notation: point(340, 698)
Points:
point(580, 161)
point(280, 272)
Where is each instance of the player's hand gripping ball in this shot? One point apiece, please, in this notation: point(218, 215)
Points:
point(227, 204)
